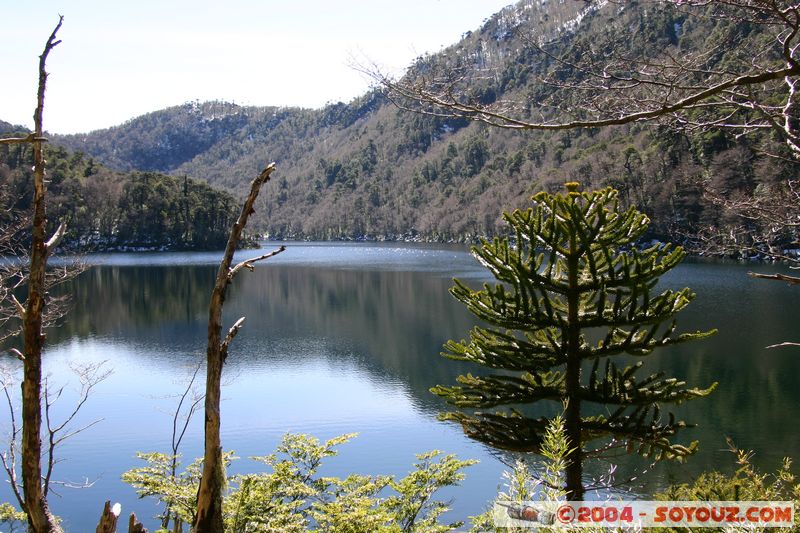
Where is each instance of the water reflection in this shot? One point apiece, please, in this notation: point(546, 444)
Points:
point(757, 399)
point(331, 347)
point(392, 325)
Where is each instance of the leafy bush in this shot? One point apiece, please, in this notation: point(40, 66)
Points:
point(746, 484)
point(294, 497)
point(13, 519)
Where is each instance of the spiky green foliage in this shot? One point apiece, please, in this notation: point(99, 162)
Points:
point(572, 291)
point(746, 483)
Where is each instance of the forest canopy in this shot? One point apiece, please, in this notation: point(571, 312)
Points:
point(105, 209)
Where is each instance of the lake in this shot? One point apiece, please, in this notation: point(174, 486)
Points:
point(346, 338)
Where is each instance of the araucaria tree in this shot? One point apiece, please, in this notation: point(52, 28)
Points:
point(573, 291)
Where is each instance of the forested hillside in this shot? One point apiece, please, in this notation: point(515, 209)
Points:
point(106, 209)
point(366, 169)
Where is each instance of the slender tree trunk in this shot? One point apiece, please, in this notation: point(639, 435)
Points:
point(209, 496)
point(572, 416)
point(212, 482)
point(40, 520)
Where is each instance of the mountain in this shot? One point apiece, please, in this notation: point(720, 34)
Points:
point(7, 127)
point(366, 169)
point(163, 140)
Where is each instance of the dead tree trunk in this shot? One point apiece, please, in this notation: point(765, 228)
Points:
point(108, 520)
point(134, 526)
point(212, 482)
point(110, 517)
point(40, 520)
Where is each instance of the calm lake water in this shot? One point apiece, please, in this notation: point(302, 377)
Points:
point(345, 338)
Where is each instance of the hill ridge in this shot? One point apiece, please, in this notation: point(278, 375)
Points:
point(365, 169)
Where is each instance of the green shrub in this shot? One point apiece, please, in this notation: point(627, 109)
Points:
point(292, 496)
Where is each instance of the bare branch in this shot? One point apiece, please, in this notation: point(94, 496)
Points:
point(89, 376)
point(229, 337)
point(450, 106)
point(76, 431)
point(56, 238)
point(85, 484)
point(784, 344)
point(603, 87)
point(19, 306)
point(791, 280)
point(30, 138)
point(177, 437)
point(249, 264)
point(10, 459)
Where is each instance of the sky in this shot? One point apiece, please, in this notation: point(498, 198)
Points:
point(121, 59)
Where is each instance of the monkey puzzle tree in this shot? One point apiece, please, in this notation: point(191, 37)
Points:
point(573, 291)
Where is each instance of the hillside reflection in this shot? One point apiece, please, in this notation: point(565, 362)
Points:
point(391, 325)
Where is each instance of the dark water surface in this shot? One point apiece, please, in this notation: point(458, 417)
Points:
point(345, 338)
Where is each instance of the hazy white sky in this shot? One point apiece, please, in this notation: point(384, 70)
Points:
point(120, 59)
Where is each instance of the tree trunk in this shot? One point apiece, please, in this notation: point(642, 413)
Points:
point(572, 416)
point(209, 496)
point(108, 520)
point(40, 520)
point(39, 517)
point(212, 482)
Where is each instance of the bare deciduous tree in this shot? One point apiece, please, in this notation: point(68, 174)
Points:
point(188, 404)
point(56, 432)
point(761, 224)
point(212, 483)
point(29, 270)
point(40, 519)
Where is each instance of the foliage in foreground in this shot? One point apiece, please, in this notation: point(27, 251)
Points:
point(544, 484)
point(12, 518)
point(525, 486)
point(747, 483)
point(293, 496)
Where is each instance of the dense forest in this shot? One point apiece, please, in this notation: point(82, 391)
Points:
point(366, 169)
point(106, 209)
